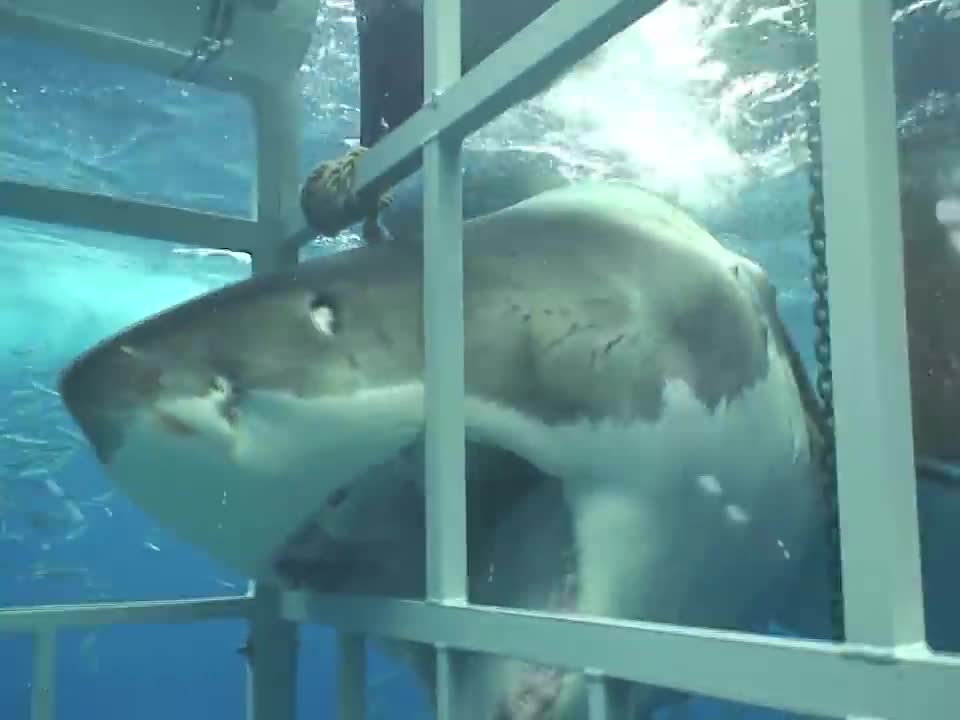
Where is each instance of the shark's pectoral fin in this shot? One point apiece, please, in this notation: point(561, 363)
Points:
point(617, 550)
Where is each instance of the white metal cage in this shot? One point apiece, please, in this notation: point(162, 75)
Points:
point(884, 669)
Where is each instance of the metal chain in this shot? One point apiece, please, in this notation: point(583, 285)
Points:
point(824, 381)
point(214, 40)
point(819, 279)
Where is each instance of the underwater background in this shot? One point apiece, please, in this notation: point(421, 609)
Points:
point(700, 101)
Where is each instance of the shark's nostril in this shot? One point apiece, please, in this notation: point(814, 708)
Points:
point(219, 385)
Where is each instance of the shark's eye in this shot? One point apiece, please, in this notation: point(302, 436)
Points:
point(323, 317)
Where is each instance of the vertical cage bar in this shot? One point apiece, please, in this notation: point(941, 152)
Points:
point(278, 125)
point(448, 670)
point(444, 340)
point(43, 689)
point(443, 326)
point(351, 677)
point(271, 659)
point(443, 321)
point(883, 598)
point(598, 697)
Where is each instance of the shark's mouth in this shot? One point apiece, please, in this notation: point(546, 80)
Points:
point(369, 539)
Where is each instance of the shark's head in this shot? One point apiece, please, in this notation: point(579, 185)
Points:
point(234, 416)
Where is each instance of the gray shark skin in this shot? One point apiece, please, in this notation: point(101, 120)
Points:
point(640, 441)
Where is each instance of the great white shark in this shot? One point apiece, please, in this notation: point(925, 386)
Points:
point(642, 438)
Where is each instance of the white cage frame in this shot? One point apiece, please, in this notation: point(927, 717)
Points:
point(885, 668)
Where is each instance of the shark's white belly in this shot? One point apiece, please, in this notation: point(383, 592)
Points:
point(695, 519)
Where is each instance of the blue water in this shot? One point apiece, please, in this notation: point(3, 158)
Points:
point(87, 126)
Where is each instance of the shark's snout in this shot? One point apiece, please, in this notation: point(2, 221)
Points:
point(116, 384)
point(232, 417)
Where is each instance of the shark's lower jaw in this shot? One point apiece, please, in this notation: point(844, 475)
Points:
point(239, 484)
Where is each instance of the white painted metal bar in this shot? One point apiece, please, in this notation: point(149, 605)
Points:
point(27, 619)
point(443, 325)
point(127, 217)
point(272, 662)
point(43, 691)
point(351, 677)
point(278, 126)
point(279, 130)
point(448, 682)
point(271, 659)
point(273, 643)
point(546, 48)
point(445, 454)
point(817, 678)
point(883, 595)
point(598, 698)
